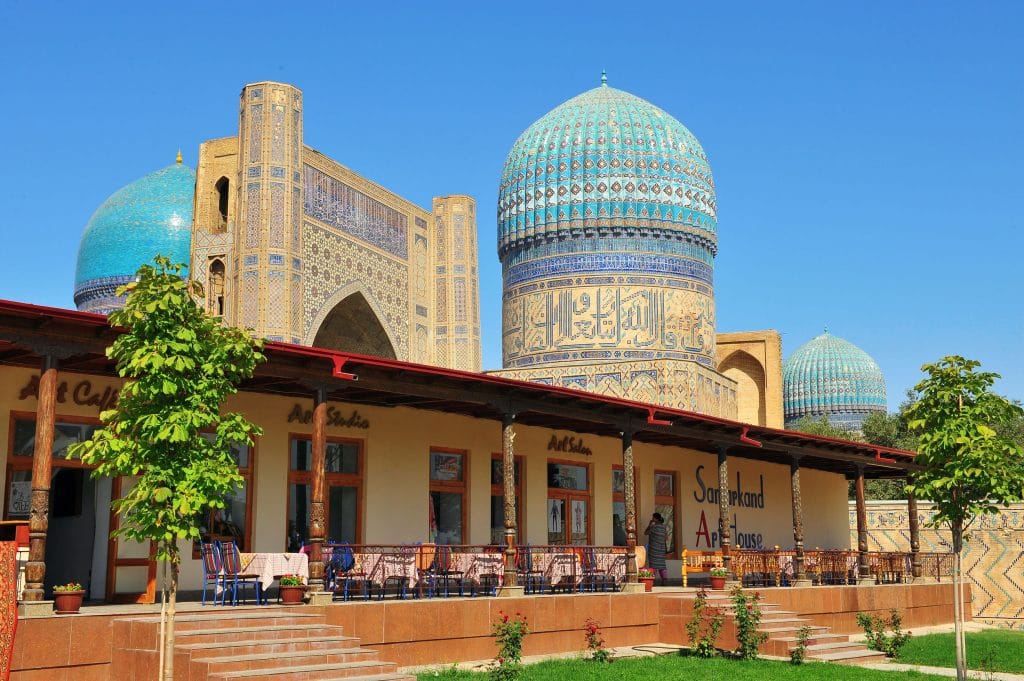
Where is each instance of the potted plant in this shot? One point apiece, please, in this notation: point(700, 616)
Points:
point(646, 577)
point(68, 598)
point(718, 576)
point(292, 589)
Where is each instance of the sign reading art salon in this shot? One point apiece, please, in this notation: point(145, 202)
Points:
point(335, 417)
point(569, 445)
point(82, 393)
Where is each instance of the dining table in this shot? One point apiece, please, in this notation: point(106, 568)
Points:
point(273, 565)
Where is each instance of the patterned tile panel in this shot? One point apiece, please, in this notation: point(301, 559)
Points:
point(993, 556)
point(338, 205)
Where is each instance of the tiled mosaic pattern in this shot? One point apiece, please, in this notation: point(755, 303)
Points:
point(603, 161)
point(607, 235)
point(829, 375)
point(150, 216)
point(338, 205)
point(456, 298)
point(336, 263)
point(666, 382)
point(992, 557)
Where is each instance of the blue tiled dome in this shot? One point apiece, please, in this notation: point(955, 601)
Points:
point(833, 377)
point(606, 163)
point(150, 216)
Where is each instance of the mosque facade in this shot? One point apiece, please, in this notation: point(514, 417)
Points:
point(607, 234)
point(296, 246)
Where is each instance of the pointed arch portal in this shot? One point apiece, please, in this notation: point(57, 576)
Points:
point(352, 326)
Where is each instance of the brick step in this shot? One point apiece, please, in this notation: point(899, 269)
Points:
point(273, 645)
point(816, 639)
point(374, 677)
point(212, 666)
point(253, 617)
point(793, 629)
point(785, 619)
point(257, 633)
point(310, 672)
point(833, 646)
point(864, 656)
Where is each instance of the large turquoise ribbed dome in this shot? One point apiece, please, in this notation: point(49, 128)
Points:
point(602, 162)
point(829, 376)
point(150, 216)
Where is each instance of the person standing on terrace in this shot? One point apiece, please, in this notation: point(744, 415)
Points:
point(657, 546)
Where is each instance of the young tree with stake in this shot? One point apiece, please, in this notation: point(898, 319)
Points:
point(968, 467)
point(167, 431)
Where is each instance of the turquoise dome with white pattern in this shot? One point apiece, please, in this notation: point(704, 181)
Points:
point(829, 376)
point(150, 216)
point(606, 163)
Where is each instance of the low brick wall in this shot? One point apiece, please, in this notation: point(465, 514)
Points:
point(445, 631)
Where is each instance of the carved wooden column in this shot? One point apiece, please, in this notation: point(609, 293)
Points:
point(863, 569)
point(915, 535)
point(317, 521)
point(508, 467)
point(799, 573)
point(724, 532)
point(42, 463)
point(629, 491)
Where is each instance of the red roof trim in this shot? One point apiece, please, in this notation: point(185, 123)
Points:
point(343, 360)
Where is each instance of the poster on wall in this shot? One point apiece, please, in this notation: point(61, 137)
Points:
point(579, 521)
point(555, 507)
point(618, 481)
point(445, 467)
point(20, 501)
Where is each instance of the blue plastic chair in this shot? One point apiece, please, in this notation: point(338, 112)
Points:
point(211, 568)
point(232, 576)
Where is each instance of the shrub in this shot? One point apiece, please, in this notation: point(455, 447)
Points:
point(645, 573)
point(719, 572)
point(748, 619)
point(797, 654)
point(595, 641)
point(875, 631)
point(704, 627)
point(508, 633)
point(291, 580)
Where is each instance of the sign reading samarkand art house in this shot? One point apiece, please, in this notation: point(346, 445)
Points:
point(738, 498)
point(82, 393)
point(335, 417)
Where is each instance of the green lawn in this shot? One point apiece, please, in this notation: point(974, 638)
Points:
point(996, 650)
point(667, 667)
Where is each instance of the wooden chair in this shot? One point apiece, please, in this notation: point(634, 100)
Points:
point(233, 575)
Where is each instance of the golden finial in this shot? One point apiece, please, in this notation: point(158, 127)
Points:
point(178, 159)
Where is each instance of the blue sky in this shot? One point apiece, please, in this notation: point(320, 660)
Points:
point(869, 157)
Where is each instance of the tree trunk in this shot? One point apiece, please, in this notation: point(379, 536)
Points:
point(163, 612)
point(168, 671)
point(958, 609)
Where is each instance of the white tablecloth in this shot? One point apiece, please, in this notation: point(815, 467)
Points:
point(268, 566)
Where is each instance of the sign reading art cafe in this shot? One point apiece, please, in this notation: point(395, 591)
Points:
point(82, 393)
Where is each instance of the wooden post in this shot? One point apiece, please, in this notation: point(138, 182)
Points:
point(317, 520)
point(863, 569)
point(508, 466)
point(42, 464)
point(915, 535)
point(724, 532)
point(799, 573)
point(629, 491)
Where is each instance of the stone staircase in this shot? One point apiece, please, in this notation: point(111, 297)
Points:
point(260, 644)
point(783, 627)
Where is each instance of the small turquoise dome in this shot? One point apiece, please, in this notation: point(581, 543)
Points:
point(150, 216)
point(829, 376)
point(606, 163)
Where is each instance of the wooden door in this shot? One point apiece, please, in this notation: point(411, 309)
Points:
point(131, 565)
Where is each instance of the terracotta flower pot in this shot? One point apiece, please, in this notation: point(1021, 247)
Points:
point(67, 602)
point(648, 583)
point(717, 583)
point(292, 595)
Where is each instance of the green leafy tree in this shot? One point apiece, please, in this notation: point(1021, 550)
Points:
point(167, 431)
point(969, 468)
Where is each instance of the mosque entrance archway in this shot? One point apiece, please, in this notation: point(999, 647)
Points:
point(749, 375)
point(353, 326)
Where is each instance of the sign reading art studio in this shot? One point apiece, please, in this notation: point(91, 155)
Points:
point(569, 445)
point(82, 393)
point(335, 417)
